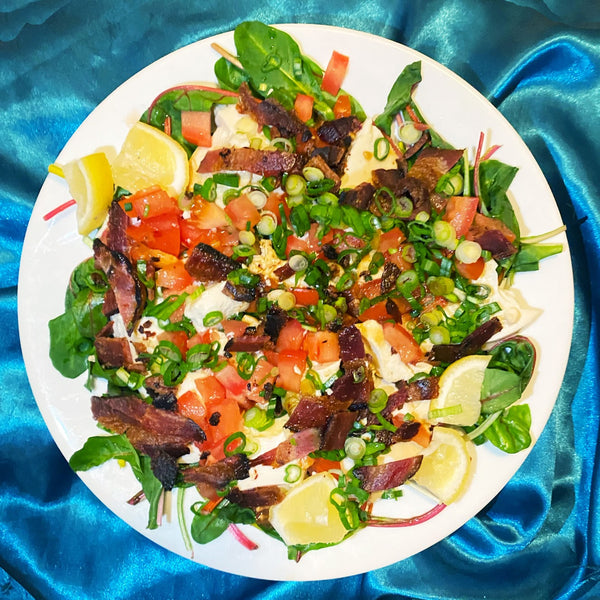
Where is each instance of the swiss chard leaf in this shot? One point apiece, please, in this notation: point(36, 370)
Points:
point(174, 101)
point(529, 256)
point(399, 96)
point(510, 431)
point(508, 374)
point(207, 527)
point(495, 178)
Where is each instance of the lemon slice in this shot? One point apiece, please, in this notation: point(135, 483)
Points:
point(306, 515)
point(91, 185)
point(459, 400)
point(445, 471)
point(151, 157)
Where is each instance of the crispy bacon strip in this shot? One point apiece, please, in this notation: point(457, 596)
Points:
point(269, 163)
point(377, 478)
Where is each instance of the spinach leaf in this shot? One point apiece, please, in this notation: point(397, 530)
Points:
point(495, 178)
point(275, 67)
point(399, 96)
point(72, 333)
point(99, 449)
point(229, 76)
point(207, 527)
point(510, 431)
point(68, 350)
point(529, 255)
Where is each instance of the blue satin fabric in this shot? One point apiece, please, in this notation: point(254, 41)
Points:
point(539, 63)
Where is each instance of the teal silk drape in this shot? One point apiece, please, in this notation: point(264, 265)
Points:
point(538, 62)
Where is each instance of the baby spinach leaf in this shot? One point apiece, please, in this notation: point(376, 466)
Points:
point(399, 96)
point(207, 527)
point(68, 350)
point(510, 431)
point(228, 75)
point(529, 256)
point(495, 178)
point(98, 449)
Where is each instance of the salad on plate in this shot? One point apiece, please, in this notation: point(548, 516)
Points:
point(293, 310)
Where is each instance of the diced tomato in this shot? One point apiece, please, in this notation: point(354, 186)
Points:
point(390, 239)
point(291, 365)
point(321, 464)
point(404, 343)
point(195, 127)
point(207, 215)
point(470, 270)
point(397, 259)
point(263, 373)
point(222, 240)
point(295, 243)
point(322, 346)
point(139, 251)
point(271, 356)
point(460, 212)
point(235, 385)
point(179, 338)
point(291, 336)
point(481, 224)
point(210, 388)
point(174, 277)
point(149, 203)
point(377, 312)
point(303, 106)
point(335, 73)
point(233, 327)
point(342, 107)
point(274, 201)
point(204, 337)
point(161, 233)
point(242, 211)
point(191, 405)
point(367, 289)
point(306, 296)
point(227, 418)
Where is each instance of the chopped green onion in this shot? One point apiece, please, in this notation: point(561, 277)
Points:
point(128, 206)
point(448, 411)
point(286, 301)
point(267, 225)
point(247, 238)
point(440, 286)
point(409, 134)
point(468, 252)
point(402, 207)
point(258, 198)
point(282, 143)
point(381, 148)
point(229, 195)
point(212, 318)
point(295, 185)
point(377, 400)
point(409, 254)
point(298, 262)
point(243, 250)
point(292, 473)
point(345, 282)
point(355, 448)
point(238, 449)
point(444, 234)
point(257, 418)
point(208, 190)
point(422, 216)
point(228, 179)
point(293, 201)
point(312, 173)
point(439, 335)
point(246, 364)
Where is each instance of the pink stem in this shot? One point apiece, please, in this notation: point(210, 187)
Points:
point(58, 209)
point(241, 537)
point(386, 522)
point(476, 165)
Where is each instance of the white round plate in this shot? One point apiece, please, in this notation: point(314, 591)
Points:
point(459, 113)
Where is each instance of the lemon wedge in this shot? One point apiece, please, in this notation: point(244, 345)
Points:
point(151, 157)
point(91, 185)
point(459, 399)
point(446, 468)
point(306, 514)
